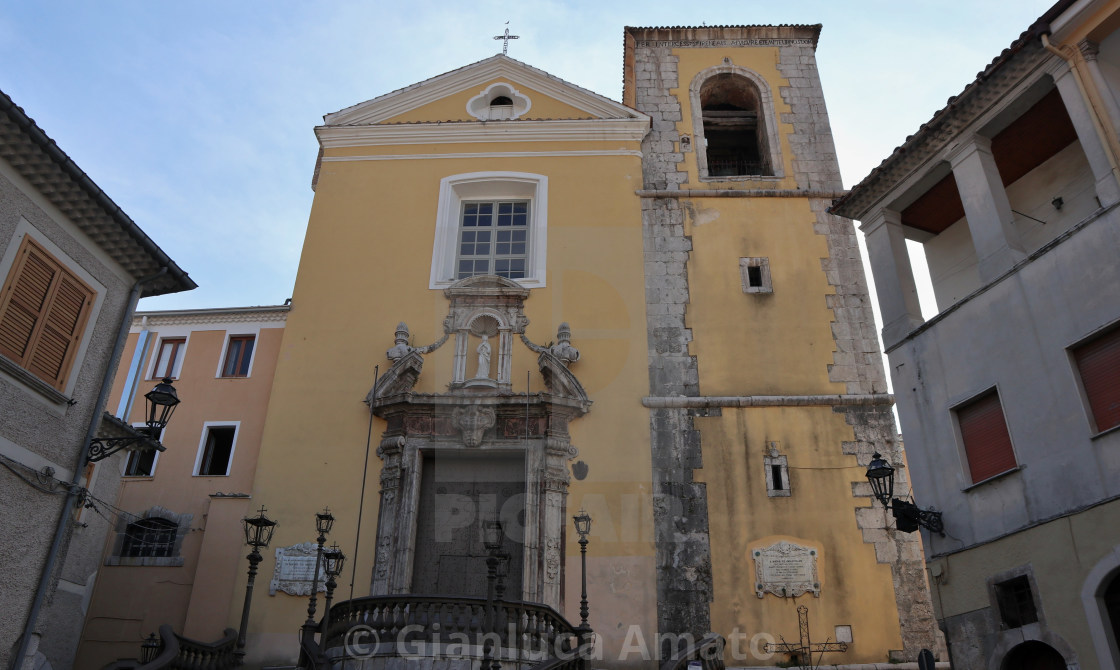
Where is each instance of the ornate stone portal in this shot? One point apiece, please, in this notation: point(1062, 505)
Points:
point(480, 418)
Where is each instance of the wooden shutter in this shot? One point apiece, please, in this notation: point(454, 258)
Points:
point(43, 313)
point(986, 440)
point(1098, 362)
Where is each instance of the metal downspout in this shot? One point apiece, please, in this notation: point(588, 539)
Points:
point(1076, 61)
point(79, 467)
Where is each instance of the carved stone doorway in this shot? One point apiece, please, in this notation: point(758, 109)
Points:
point(458, 493)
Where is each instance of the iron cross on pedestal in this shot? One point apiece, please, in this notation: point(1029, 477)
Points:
point(506, 37)
point(805, 647)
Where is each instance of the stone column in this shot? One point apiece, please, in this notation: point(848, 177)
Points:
point(894, 278)
point(1108, 190)
point(986, 207)
point(505, 356)
point(462, 341)
point(388, 522)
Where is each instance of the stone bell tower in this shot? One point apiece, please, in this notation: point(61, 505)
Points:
point(758, 321)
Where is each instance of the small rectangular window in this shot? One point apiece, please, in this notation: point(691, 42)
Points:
point(987, 442)
point(1098, 363)
point(1016, 602)
point(150, 537)
point(169, 357)
point(238, 355)
point(217, 451)
point(777, 473)
point(754, 273)
point(140, 463)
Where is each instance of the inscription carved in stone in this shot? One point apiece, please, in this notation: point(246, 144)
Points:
point(786, 569)
point(295, 568)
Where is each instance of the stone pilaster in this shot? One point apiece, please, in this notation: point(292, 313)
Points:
point(857, 359)
point(684, 575)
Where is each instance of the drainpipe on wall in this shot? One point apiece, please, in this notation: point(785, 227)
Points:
point(1092, 95)
point(72, 495)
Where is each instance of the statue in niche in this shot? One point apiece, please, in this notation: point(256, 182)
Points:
point(483, 359)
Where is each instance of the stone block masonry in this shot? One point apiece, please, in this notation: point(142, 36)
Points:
point(857, 361)
point(680, 515)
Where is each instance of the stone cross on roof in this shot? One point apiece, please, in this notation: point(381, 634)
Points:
point(507, 37)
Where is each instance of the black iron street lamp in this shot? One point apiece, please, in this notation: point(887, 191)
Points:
point(333, 560)
point(160, 404)
point(258, 533)
point(583, 527)
point(323, 522)
point(908, 517)
point(149, 649)
point(492, 539)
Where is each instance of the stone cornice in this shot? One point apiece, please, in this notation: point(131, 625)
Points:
point(827, 400)
point(740, 193)
point(725, 36)
point(190, 317)
point(460, 132)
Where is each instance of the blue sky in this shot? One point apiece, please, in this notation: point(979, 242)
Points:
point(197, 117)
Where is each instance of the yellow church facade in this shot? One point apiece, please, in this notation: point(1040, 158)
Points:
point(518, 299)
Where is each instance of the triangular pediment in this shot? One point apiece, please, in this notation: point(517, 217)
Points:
point(445, 98)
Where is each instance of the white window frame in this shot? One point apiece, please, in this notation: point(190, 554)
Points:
point(479, 106)
point(255, 334)
point(206, 426)
point(177, 368)
point(124, 465)
point(471, 186)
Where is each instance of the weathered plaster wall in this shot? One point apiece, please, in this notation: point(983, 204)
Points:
point(52, 432)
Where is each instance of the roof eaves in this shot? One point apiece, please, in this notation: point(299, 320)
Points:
point(66, 170)
point(891, 170)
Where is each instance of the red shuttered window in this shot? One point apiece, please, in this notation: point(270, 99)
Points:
point(986, 440)
point(43, 313)
point(1098, 361)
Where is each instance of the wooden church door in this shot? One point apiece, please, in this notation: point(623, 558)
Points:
point(458, 494)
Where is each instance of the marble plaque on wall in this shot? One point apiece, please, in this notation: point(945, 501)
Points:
point(295, 568)
point(786, 569)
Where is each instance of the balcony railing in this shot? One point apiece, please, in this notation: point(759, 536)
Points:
point(419, 624)
point(181, 653)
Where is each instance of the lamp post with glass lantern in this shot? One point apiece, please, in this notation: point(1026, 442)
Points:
point(908, 517)
point(323, 522)
point(160, 404)
point(149, 649)
point(583, 528)
point(258, 533)
point(333, 560)
point(492, 539)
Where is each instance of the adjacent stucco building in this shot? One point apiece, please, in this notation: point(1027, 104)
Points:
point(1009, 396)
point(177, 545)
point(72, 266)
